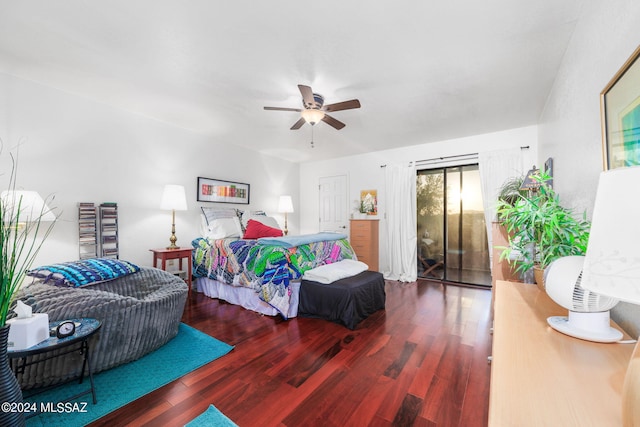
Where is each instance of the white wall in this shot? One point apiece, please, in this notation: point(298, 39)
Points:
point(570, 132)
point(80, 150)
point(364, 171)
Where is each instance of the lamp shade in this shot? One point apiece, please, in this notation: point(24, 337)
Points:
point(174, 198)
point(285, 204)
point(612, 261)
point(32, 206)
point(312, 115)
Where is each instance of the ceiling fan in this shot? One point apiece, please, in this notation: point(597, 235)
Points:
point(314, 109)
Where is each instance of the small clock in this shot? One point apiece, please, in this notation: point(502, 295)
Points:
point(65, 329)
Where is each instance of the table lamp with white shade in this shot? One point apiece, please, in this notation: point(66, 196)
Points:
point(27, 206)
point(285, 206)
point(173, 199)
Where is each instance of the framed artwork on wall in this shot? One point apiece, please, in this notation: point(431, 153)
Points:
point(620, 113)
point(369, 202)
point(219, 191)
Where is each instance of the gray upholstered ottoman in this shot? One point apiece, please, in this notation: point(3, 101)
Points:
point(139, 313)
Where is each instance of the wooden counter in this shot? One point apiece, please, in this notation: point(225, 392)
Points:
point(540, 377)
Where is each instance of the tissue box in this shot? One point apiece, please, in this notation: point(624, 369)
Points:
point(27, 332)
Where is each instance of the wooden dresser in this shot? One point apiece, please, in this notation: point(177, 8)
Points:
point(364, 240)
point(540, 377)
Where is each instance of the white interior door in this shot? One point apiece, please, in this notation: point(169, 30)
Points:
point(334, 204)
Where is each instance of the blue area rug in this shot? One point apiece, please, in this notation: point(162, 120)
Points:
point(211, 418)
point(189, 350)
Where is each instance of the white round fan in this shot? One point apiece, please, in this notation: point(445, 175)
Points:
point(588, 312)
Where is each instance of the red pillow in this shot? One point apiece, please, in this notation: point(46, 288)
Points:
point(256, 229)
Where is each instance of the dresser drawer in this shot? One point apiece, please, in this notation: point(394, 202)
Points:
point(365, 254)
point(361, 247)
point(361, 243)
point(360, 236)
point(362, 226)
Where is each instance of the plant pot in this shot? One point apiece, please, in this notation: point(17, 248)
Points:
point(9, 388)
point(538, 275)
point(502, 270)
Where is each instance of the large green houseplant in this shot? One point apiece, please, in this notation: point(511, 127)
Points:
point(537, 220)
point(20, 242)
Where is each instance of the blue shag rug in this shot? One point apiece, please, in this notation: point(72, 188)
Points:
point(211, 418)
point(189, 350)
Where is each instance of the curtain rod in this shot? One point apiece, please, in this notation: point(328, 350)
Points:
point(458, 156)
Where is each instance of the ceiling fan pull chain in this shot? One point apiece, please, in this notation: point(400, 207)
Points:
point(312, 146)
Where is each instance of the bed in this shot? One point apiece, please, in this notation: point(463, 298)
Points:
point(263, 271)
point(261, 274)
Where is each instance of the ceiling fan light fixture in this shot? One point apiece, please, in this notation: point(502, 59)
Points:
point(312, 116)
point(314, 109)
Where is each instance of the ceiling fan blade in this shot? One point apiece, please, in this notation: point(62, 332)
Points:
point(298, 124)
point(345, 105)
point(282, 109)
point(307, 95)
point(333, 122)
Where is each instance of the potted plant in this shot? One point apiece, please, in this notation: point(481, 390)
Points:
point(510, 191)
point(541, 229)
point(20, 242)
point(508, 194)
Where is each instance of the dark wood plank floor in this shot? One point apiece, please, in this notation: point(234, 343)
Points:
point(420, 362)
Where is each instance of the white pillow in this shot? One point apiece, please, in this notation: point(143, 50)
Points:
point(204, 225)
point(213, 213)
point(247, 215)
point(224, 228)
point(329, 273)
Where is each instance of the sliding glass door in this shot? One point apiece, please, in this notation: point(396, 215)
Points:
point(452, 237)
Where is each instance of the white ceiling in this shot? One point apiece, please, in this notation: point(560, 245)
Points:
point(423, 71)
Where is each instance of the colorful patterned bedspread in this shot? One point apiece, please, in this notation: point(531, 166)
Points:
point(266, 269)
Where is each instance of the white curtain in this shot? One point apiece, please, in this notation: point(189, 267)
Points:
point(495, 168)
point(400, 191)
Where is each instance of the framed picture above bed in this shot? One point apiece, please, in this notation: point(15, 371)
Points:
point(620, 108)
point(219, 191)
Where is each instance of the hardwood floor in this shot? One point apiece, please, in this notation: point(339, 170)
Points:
point(420, 362)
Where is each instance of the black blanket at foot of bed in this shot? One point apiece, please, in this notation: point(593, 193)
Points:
point(347, 301)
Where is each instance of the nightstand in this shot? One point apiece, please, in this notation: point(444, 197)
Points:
point(164, 254)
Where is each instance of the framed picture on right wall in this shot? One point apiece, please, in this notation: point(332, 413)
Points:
point(620, 112)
